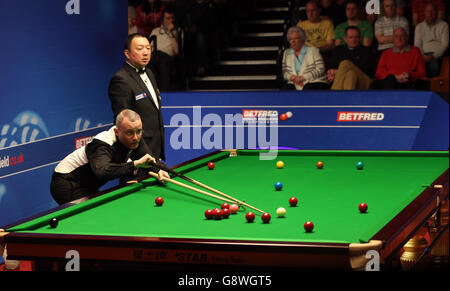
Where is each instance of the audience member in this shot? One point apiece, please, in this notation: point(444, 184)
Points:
point(418, 10)
point(400, 67)
point(353, 19)
point(149, 15)
point(332, 10)
point(303, 67)
point(132, 15)
point(431, 37)
point(384, 26)
point(319, 33)
point(167, 49)
point(351, 64)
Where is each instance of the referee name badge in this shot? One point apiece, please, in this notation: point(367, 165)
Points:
point(140, 96)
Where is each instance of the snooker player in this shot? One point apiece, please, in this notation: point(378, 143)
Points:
point(115, 153)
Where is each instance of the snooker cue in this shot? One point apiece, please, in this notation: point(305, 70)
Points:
point(191, 188)
point(207, 187)
point(206, 193)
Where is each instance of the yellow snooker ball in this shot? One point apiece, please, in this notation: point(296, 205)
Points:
point(280, 164)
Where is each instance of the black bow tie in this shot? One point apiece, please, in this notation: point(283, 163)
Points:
point(140, 72)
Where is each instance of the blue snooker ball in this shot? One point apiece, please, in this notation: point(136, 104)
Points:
point(278, 186)
point(359, 165)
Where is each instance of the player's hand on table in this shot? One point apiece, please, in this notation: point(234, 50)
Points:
point(162, 175)
point(145, 162)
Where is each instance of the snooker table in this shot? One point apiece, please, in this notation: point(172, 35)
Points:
point(401, 188)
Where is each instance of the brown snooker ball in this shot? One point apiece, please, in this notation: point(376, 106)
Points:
point(319, 165)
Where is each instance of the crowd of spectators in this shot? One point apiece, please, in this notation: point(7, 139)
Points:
point(330, 43)
point(392, 50)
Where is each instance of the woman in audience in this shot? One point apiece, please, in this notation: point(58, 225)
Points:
point(303, 67)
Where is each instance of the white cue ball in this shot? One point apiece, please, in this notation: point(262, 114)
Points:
point(289, 114)
point(281, 212)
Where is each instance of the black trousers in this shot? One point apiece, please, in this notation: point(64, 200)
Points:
point(390, 82)
point(65, 189)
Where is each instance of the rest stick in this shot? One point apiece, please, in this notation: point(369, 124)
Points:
point(192, 188)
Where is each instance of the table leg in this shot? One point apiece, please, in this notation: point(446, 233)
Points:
point(413, 250)
point(440, 251)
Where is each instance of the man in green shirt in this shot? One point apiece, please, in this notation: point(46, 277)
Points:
point(352, 12)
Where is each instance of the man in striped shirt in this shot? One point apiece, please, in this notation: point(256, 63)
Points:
point(385, 25)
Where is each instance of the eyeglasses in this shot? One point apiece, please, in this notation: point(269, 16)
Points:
point(131, 133)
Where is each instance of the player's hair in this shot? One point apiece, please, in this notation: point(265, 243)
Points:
point(128, 113)
point(130, 38)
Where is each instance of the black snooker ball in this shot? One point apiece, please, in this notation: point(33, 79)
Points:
point(53, 222)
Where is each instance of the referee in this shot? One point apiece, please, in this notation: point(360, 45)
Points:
point(115, 153)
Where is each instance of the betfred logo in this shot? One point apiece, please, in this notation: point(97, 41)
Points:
point(82, 141)
point(253, 116)
point(360, 116)
point(247, 113)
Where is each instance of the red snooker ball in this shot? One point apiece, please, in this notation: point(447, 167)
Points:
point(319, 165)
point(250, 216)
point(265, 217)
point(159, 201)
point(293, 201)
point(211, 165)
point(363, 207)
point(209, 214)
point(226, 212)
point(218, 214)
point(308, 226)
point(225, 205)
point(283, 117)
